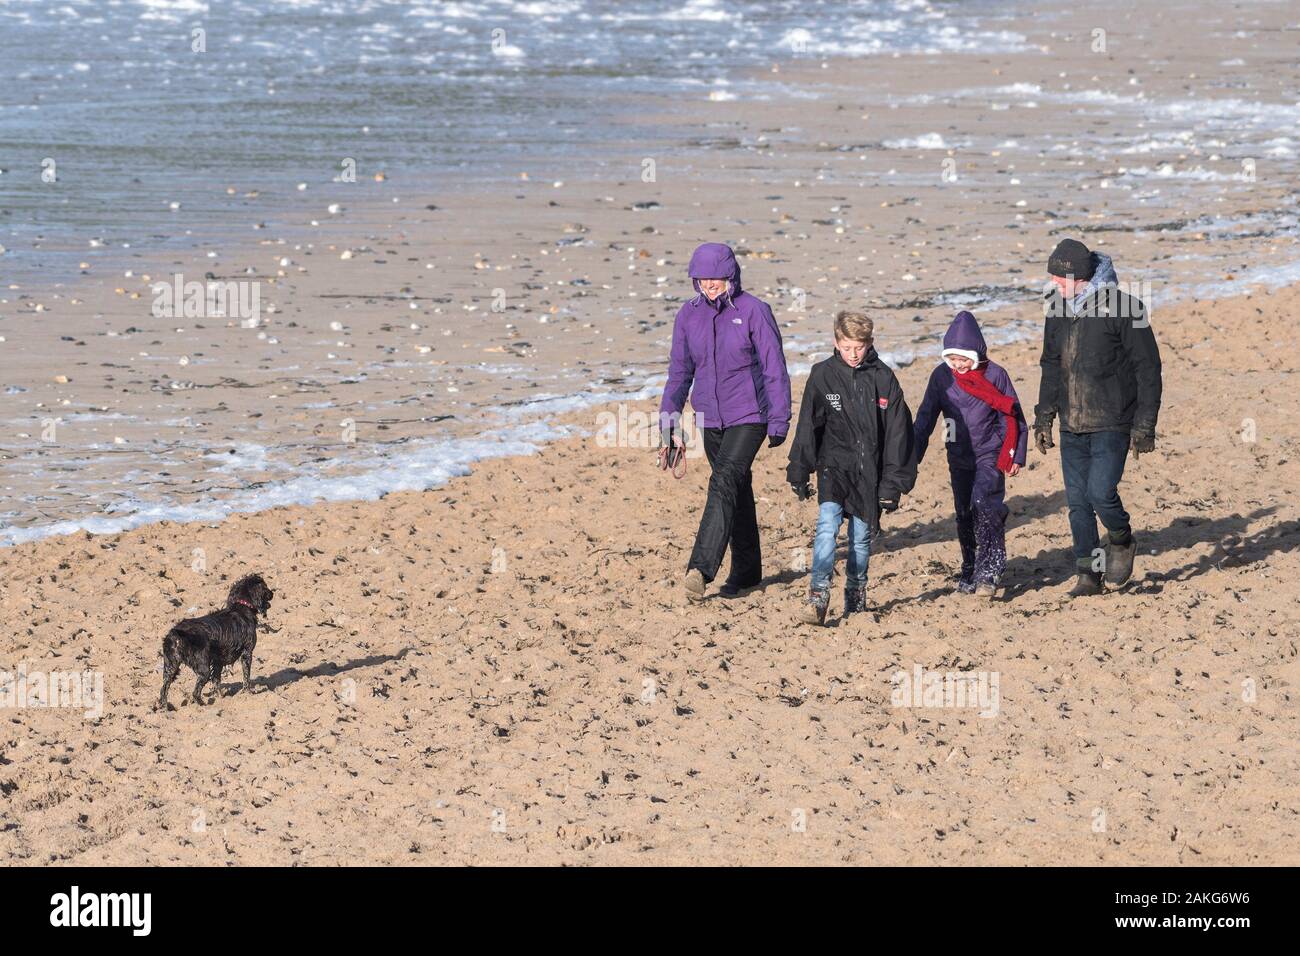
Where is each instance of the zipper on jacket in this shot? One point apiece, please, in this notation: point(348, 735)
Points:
point(860, 393)
point(716, 402)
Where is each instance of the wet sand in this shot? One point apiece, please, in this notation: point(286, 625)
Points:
point(467, 312)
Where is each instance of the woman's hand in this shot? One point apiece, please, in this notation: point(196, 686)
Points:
point(1013, 470)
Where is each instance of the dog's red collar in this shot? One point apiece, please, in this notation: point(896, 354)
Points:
point(245, 603)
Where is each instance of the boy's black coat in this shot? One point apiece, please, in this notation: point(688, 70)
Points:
point(860, 448)
point(1101, 367)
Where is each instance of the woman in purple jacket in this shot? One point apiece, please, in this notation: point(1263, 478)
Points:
point(726, 344)
point(984, 445)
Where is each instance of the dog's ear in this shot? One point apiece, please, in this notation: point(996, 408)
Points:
point(248, 588)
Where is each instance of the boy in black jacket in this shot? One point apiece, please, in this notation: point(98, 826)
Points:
point(855, 432)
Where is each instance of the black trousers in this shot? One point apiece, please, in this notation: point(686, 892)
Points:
point(729, 517)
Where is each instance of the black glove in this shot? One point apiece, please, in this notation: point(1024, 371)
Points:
point(802, 490)
point(1043, 436)
point(889, 504)
point(775, 441)
point(1141, 442)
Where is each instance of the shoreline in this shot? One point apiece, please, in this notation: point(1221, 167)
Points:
point(521, 440)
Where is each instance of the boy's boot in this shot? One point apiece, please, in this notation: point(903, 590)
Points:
point(855, 598)
point(1119, 560)
point(694, 585)
point(1088, 584)
point(987, 590)
point(814, 609)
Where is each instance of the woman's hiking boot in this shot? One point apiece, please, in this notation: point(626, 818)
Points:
point(731, 589)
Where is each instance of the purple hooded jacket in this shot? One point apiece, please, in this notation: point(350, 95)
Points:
point(730, 350)
point(978, 429)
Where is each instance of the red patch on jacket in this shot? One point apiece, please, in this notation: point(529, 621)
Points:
point(882, 402)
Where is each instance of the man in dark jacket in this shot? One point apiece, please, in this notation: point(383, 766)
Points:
point(1101, 375)
point(855, 433)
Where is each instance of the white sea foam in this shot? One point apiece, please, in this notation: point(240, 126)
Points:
point(1266, 277)
point(1167, 171)
point(419, 466)
point(924, 141)
point(1182, 140)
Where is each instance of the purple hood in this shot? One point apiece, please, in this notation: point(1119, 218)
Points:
point(964, 337)
point(715, 260)
point(726, 355)
point(975, 431)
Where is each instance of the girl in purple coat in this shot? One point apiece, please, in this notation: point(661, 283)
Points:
point(727, 346)
point(985, 433)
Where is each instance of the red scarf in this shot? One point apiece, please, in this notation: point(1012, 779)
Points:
point(974, 383)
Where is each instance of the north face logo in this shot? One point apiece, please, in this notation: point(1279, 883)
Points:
point(833, 400)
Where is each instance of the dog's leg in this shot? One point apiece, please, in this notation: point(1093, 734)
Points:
point(216, 681)
point(247, 661)
point(170, 668)
point(198, 690)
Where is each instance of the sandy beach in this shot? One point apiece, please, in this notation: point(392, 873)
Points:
point(413, 698)
point(481, 653)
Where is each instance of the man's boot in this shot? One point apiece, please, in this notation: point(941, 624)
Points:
point(1088, 584)
point(1119, 560)
point(855, 598)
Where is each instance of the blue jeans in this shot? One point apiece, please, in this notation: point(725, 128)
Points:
point(829, 517)
point(1093, 464)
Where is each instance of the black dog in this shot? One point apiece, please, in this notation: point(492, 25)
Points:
point(210, 644)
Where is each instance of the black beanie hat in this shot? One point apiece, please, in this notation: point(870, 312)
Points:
point(1070, 258)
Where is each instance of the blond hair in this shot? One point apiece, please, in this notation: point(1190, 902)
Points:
point(854, 326)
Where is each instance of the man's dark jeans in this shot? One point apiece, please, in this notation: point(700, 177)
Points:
point(1093, 464)
point(729, 516)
